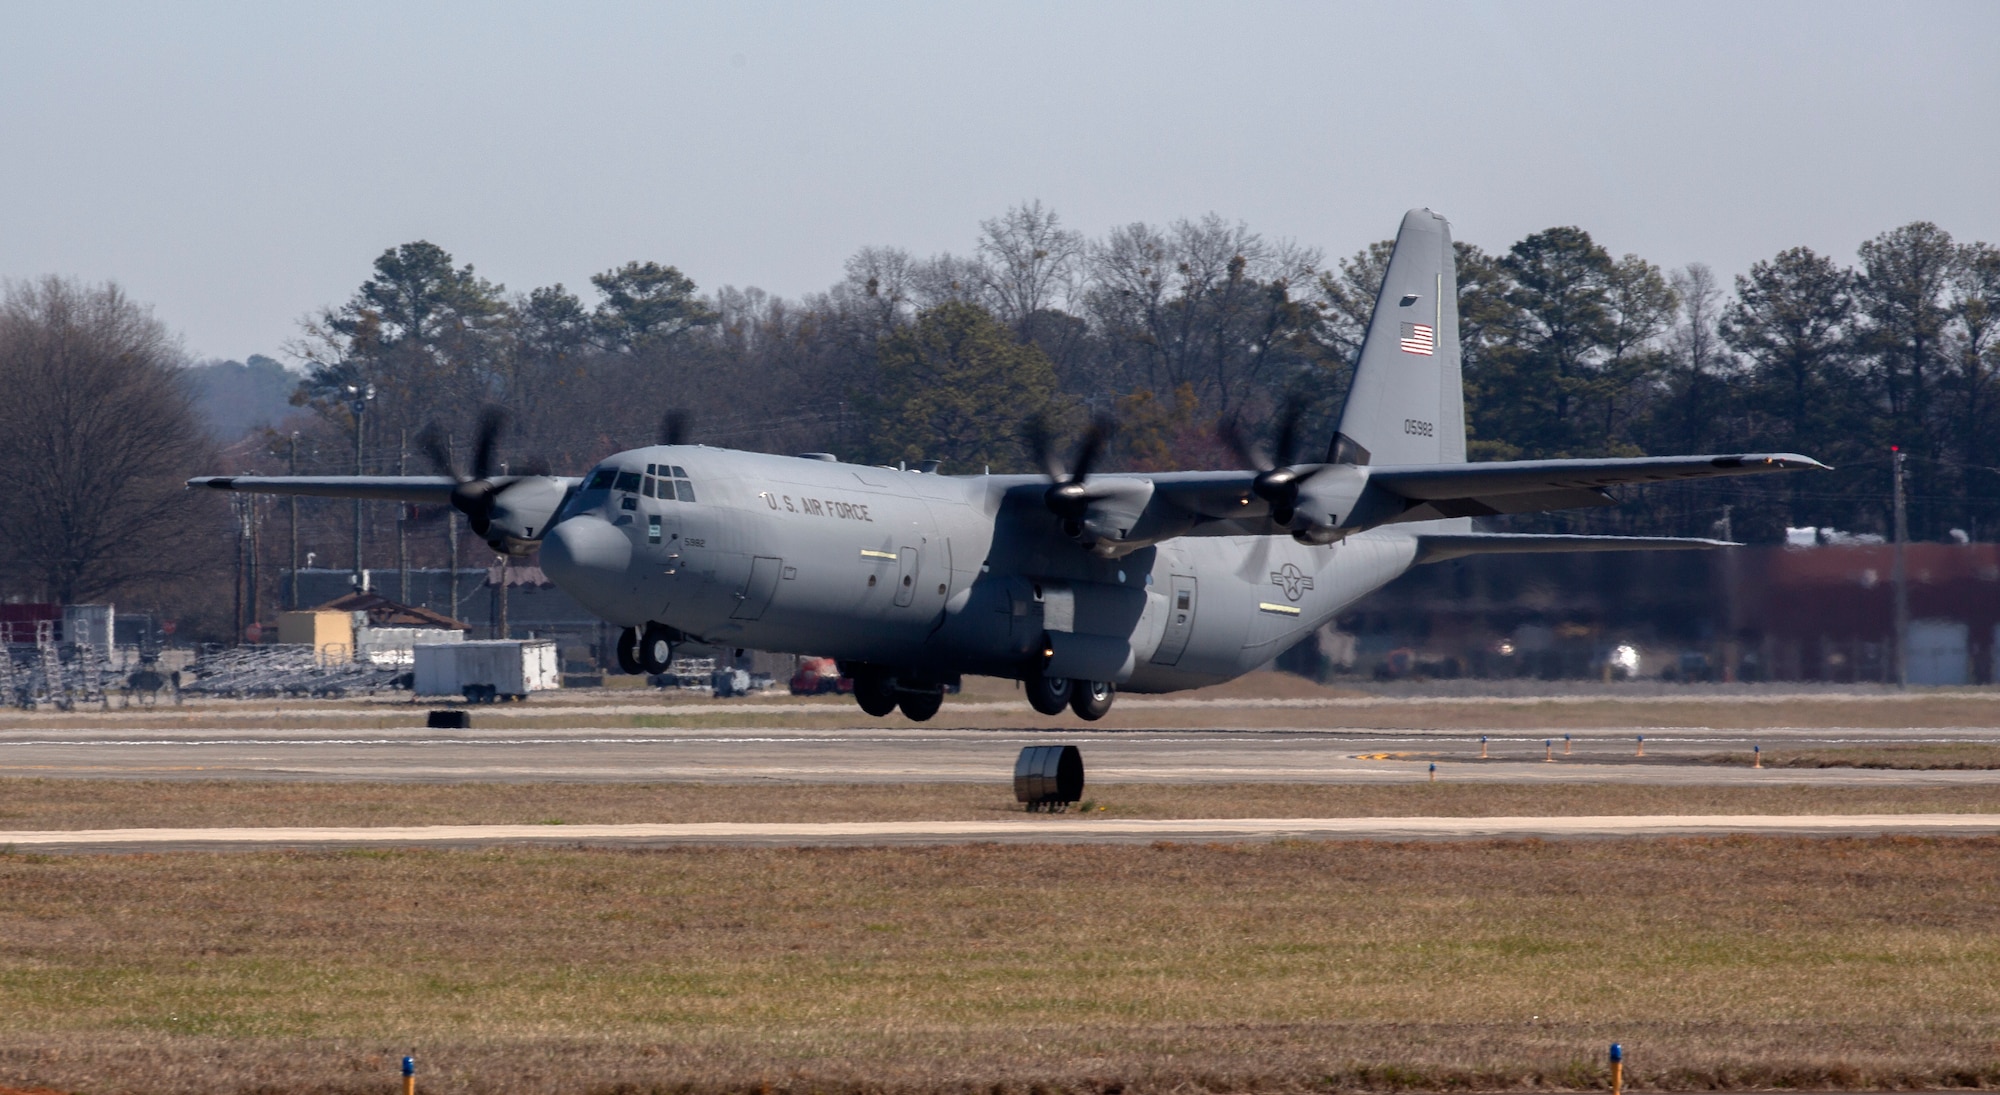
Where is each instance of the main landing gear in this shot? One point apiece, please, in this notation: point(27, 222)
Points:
point(648, 651)
point(878, 695)
point(1089, 699)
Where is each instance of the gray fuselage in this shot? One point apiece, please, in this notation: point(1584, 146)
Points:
point(936, 575)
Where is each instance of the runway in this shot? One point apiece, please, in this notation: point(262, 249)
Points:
point(1678, 755)
point(1026, 830)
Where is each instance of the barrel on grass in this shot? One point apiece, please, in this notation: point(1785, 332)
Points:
point(1048, 777)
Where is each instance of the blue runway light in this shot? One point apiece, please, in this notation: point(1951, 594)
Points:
point(1617, 1052)
point(409, 1066)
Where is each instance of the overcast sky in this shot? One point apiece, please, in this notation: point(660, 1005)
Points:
point(239, 165)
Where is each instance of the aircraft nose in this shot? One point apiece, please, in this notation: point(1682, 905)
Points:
point(590, 559)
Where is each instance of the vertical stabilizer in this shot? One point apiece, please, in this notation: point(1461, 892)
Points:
point(1407, 403)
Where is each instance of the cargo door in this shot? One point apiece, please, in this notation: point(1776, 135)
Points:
point(756, 594)
point(906, 576)
point(1181, 599)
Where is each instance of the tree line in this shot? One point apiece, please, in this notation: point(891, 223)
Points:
point(1569, 351)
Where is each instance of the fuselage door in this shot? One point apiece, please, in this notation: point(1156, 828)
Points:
point(906, 576)
point(756, 595)
point(1181, 597)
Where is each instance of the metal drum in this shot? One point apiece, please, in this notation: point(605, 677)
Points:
point(1048, 777)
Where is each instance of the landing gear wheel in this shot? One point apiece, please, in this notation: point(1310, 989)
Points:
point(1049, 695)
point(1091, 699)
point(628, 651)
point(874, 695)
point(656, 649)
point(920, 706)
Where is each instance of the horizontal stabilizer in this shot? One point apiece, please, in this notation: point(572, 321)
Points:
point(1533, 486)
point(1437, 547)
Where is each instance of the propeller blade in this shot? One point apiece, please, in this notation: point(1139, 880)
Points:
point(431, 443)
point(1036, 437)
point(674, 427)
point(1230, 431)
point(1101, 429)
point(1288, 432)
point(491, 421)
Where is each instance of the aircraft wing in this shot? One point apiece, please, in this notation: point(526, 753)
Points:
point(424, 489)
point(1437, 547)
point(1532, 486)
point(1223, 503)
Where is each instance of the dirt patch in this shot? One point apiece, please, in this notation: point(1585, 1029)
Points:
point(1952, 756)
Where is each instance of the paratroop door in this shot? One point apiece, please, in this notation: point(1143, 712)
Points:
point(906, 576)
point(1180, 620)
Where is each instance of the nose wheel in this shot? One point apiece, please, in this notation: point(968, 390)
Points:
point(656, 648)
point(628, 651)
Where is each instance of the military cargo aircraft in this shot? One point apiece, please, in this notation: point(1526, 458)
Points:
point(1074, 582)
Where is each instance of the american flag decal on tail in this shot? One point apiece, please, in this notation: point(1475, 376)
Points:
point(1419, 339)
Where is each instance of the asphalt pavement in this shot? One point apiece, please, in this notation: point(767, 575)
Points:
point(1677, 755)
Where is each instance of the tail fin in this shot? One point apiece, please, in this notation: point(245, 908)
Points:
point(1407, 402)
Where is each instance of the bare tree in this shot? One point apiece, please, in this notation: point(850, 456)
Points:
point(97, 434)
point(1030, 262)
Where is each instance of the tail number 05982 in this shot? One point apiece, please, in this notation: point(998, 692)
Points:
point(1417, 427)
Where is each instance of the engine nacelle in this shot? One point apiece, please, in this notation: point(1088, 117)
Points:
point(1328, 503)
point(522, 512)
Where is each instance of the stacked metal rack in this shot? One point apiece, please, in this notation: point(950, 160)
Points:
point(289, 670)
point(46, 672)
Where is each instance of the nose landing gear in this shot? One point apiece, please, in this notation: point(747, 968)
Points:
point(656, 648)
point(650, 651)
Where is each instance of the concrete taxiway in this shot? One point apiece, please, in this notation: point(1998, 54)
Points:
point(924, 754)
point(1026, 830)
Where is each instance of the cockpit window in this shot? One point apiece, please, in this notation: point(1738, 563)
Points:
point(601, 479)
point(627, 480)
point(680, 472)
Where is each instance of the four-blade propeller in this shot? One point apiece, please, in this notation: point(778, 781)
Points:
point(1067, 497)
point(1277, 481)
point(475, 493)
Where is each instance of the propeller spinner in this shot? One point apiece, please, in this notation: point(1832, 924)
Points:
point(1067, 497)
point(1277, 482)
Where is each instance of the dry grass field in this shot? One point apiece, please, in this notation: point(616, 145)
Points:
point(1256, 967)
point(27, 804)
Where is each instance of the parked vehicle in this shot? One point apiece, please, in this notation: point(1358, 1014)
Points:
point(486, 670)
point(819, 676)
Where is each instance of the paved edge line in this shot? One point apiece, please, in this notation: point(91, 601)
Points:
point(1062, 830)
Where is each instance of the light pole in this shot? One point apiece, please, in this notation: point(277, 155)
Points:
point(292, 597)
point(358, 398)
point(1900, 576)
